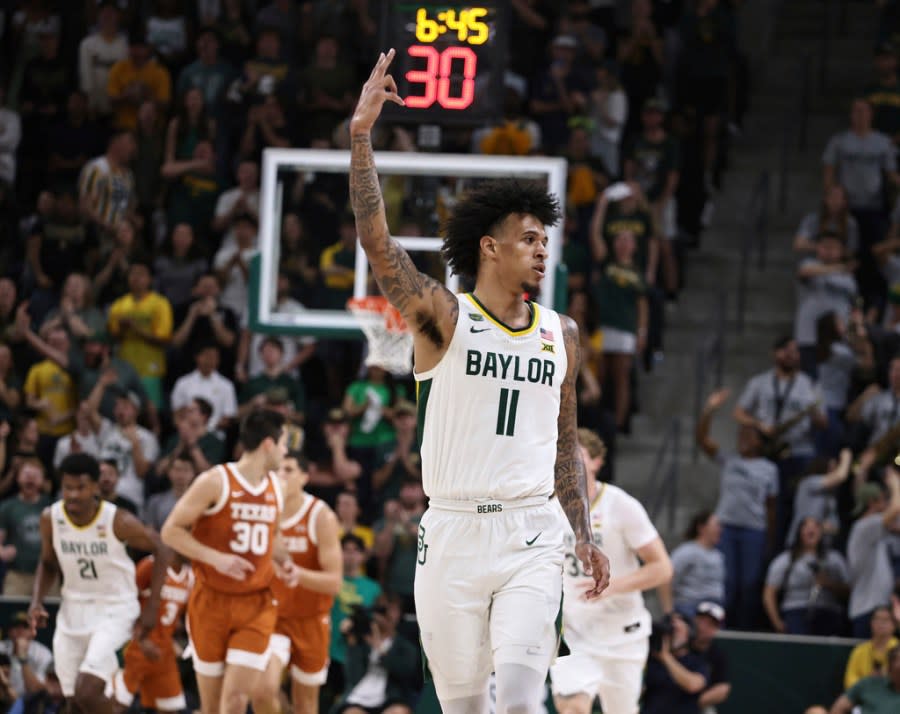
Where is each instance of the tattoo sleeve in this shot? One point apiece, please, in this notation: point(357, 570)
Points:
point(416, 295)
point(570, 474)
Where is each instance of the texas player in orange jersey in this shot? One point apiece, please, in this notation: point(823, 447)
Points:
point(227, 525)
point(151, 666)
point(310, 533)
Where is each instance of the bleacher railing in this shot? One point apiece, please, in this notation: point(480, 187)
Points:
point(755, 239)
point(662, 488)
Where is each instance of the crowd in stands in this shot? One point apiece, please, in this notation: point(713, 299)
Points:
point(131, 140)
point(806, 534)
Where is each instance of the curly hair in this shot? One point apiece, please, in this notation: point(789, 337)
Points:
point(482, 209)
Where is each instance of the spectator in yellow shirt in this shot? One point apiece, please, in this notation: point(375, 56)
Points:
point(870, 657)
point(347, 510)
point(337, 264)
point(136, 79)
point(141, 323)
point(50, 392)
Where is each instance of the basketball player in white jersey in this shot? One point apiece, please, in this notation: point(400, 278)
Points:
point(608, 638)
point(83, 540)
point(496, 391)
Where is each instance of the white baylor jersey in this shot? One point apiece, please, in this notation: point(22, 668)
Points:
point(93, 562)
point(488, 410)
point(621, 526)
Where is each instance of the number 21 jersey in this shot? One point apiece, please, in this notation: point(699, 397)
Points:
point(94, 563)
point(488, 410)
point(243, 522)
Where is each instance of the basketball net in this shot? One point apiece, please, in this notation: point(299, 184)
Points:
point(390, 341)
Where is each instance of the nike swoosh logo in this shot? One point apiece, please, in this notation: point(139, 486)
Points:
point(531, 542)
point(473, 330)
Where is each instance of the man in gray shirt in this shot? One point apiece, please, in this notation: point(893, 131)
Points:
point(871, 576)
point(858, 159)
point(699, 568)
point(769, 401)
point(181, 472)
point(746, 508)
point(825, 283)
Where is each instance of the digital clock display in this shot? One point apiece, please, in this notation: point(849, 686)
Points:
point(450, 60)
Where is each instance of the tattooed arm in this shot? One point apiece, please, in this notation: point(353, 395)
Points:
point(570, 474)
point(427, 306)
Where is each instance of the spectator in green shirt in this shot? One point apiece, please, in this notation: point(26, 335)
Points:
point(253, 394)
point(370, 403)
point(192, 435)
point(357, 590)
point(20, 532)
point(620, 299)
point(396, 541)
point(399, 460)
point(874, 695)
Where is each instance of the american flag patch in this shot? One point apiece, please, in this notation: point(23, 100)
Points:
point(546, 335)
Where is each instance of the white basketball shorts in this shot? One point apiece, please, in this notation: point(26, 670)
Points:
point(88, 635)
point(615, 677)
point(488, 589)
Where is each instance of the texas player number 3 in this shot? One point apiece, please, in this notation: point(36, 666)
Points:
point(250, 537)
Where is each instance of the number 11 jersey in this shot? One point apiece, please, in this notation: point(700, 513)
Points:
point(244, 522)
point(94, 563)
point(488, 410)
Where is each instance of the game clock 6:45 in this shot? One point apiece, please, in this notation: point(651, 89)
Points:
point(450, 60)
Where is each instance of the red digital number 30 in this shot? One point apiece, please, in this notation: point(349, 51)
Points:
point(436, 77)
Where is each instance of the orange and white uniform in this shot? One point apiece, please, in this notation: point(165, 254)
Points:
point(303, 632)
point(158, 682)
point(232, 620)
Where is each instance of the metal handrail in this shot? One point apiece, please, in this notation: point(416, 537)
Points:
point(756, 236)
point(662, 488)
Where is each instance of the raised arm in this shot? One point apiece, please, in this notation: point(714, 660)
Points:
point(570, 476)
point(427, 306)
point(702, 436)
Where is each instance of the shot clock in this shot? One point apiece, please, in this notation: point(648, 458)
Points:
point(449, 61)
